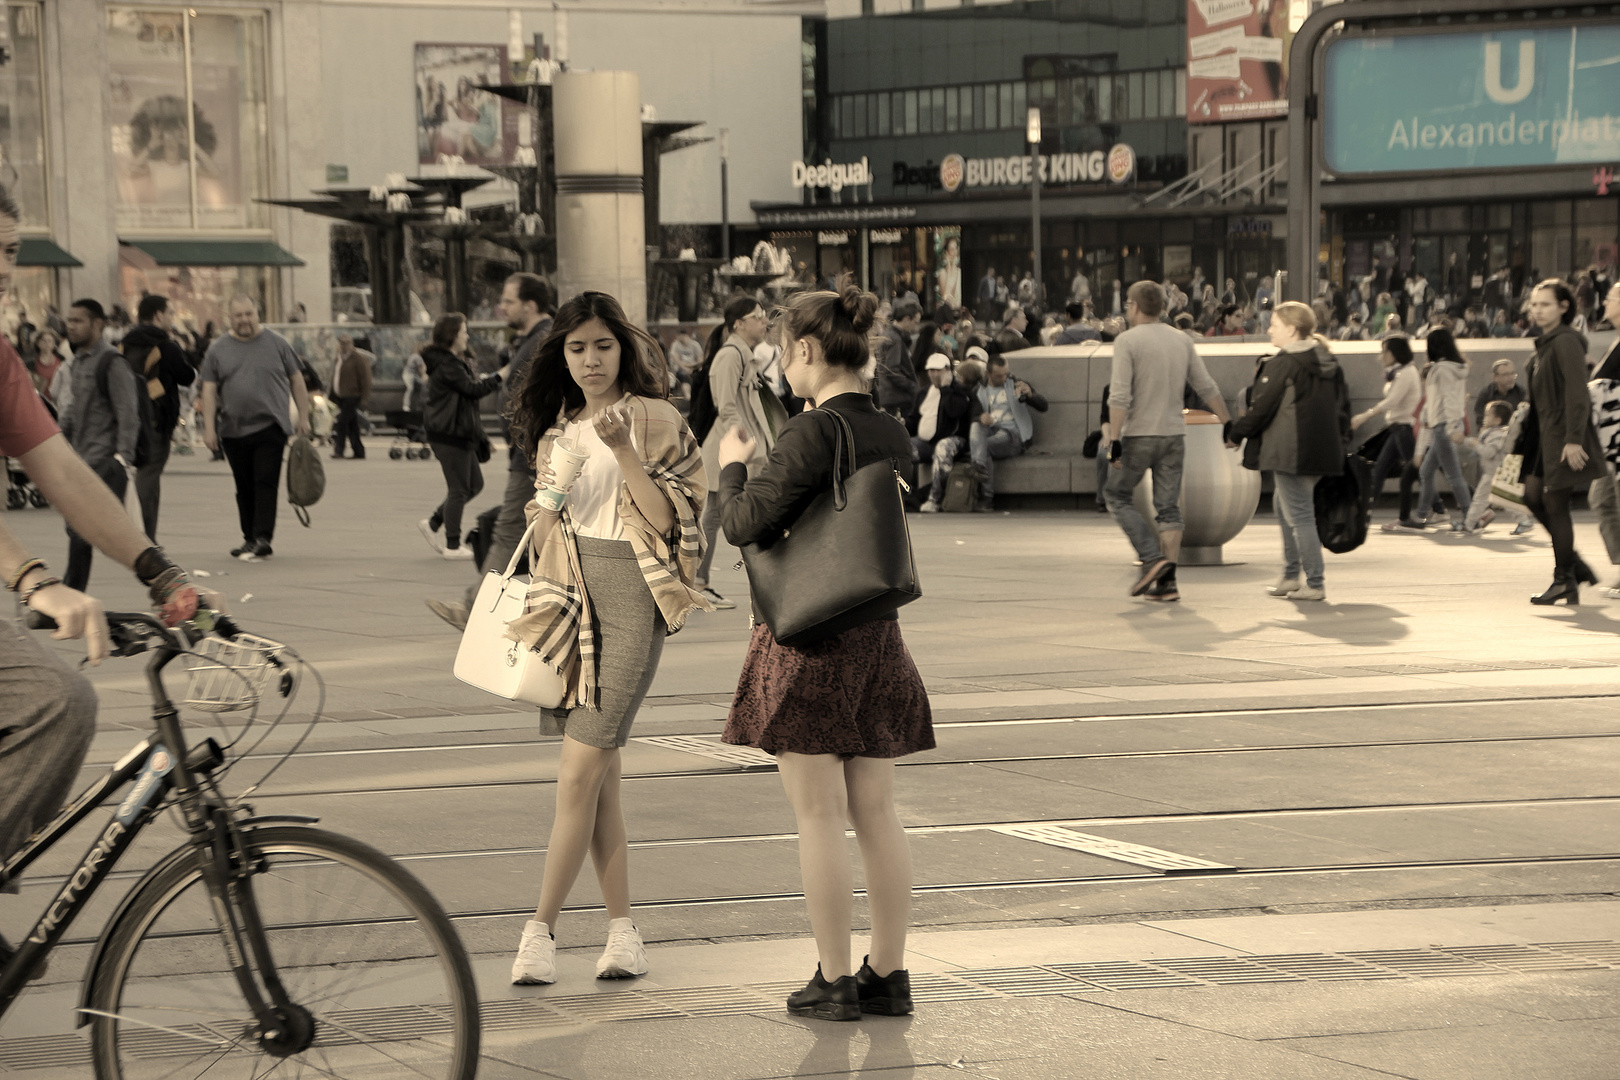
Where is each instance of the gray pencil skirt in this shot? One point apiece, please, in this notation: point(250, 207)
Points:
point(629, 641)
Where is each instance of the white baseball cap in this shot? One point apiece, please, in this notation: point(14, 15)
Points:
point(938, 362)
point(974, 352)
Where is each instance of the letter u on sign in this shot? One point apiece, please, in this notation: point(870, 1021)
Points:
point(1493, 73)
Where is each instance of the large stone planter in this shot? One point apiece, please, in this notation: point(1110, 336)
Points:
point(1218, 495)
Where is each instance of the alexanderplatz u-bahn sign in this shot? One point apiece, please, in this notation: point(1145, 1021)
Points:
point(1455, 99)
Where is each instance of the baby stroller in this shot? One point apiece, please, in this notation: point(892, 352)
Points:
point(20, 491)
point(410, 435)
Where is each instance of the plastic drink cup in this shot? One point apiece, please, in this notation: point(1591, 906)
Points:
point(567, 460)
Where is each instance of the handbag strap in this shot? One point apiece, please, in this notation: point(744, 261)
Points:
point(846, 434)
point(522, 546)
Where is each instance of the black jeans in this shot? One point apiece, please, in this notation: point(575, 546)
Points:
point(256, 464)
point(463, 480)
point(149, 485)
point(347, 427)
point(77, 574)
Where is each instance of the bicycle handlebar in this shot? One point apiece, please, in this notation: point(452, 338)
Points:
point(130, 631)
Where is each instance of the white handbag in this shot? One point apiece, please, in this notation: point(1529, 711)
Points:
point(489, 660)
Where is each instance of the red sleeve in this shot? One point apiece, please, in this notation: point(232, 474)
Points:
point(24, 423)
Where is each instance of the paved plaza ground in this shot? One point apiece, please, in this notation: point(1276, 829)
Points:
point(1387, 826)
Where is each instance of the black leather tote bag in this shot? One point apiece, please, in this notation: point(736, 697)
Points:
point(847, 560)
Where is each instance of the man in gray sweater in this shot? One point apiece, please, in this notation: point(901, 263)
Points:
point(1153, 363)
point(101, 422)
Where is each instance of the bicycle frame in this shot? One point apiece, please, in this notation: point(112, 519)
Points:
point(157, 768)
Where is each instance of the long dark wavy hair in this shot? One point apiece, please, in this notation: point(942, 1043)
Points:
point(549, 390)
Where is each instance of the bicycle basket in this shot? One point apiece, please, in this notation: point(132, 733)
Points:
point(228, 676)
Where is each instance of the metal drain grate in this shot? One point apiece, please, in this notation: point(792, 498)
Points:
point(624, 1005)
point(1137, 854)
point(1422, 963)
point(520, 1016)
point(1226, 970)
point(713, 1000)
point(702, 745)
point(1324, 967)
point(1123, 975)
point(44, 1052)
point(1606, 952)
point(1522, 957)
point(1020, 981)
point(153, 1043)
point(390, 1024)
point(932, 986)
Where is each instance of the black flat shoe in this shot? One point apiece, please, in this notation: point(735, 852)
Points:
point(1564, 587)
point(887, 995)
point(821, 1000)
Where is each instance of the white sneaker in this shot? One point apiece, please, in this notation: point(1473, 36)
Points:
point(625, 956)
point(1284, 586)
point(536, 962)
point(429, 535)
point(454, 554)
point(929, 507)
point(1523, 527)
point(720, 603)
point(1308, 593)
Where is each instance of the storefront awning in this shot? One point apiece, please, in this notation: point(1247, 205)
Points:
point(201, 252)
point(38, 251)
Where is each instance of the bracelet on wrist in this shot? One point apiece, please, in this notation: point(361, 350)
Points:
point(42, 583)
point(15, 581)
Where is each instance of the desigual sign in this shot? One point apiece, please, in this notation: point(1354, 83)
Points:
point(1478, 100)
point(833, 177)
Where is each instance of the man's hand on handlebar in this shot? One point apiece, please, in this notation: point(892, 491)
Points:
point(76, 615)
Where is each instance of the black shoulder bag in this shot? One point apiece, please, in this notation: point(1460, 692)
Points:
point(845, 561)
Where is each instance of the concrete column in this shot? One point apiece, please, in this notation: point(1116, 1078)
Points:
point(601, 233)
point(301, 159)
point(86, 221)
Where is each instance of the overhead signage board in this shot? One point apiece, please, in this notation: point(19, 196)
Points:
point(1463, 101)
point(1237, 60)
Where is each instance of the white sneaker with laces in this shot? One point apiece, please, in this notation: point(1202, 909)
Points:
point(1522, 527)
point(1284, 586)
point(536, 962)
point(1308, 593)
point(720, 602)
point(429, 535)
point(929, 507)
point(454, 554)
point(625, 956)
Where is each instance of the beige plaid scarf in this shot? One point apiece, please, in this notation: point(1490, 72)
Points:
point(557, 621)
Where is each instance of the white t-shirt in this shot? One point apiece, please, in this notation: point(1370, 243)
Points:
point(593, 502)
point(928, 415)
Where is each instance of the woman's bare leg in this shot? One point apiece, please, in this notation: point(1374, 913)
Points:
point(580, 777)
point(610, 847)
point(886, 855)
point(815, 787)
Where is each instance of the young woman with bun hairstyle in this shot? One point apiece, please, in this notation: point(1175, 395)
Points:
point(613, 573)
point(837, 713)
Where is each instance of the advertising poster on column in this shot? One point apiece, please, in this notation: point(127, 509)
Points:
point(455, 119)
point(1237, 60)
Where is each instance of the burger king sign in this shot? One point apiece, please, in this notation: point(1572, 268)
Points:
point(951, 172)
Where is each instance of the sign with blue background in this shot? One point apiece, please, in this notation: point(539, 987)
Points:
point(1444, 102)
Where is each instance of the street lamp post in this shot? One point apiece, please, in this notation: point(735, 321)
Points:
point(725, 210)
point(1032, 135)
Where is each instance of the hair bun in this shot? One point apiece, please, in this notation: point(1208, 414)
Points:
point(861, 307)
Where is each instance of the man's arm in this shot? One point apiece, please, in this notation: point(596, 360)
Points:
point(1119, 392)
point(1207, 387)
point(121, 384)
point(208, 406)
point(173, 363)
point(301, 398)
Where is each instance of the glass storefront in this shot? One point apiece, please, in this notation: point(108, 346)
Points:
point(22, 117)
point(187, 110)
point(199, 295)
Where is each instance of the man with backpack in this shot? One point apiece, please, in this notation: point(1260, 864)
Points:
point(101, 423)
point(160, 369)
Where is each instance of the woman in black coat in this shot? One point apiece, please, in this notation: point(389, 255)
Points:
point(1558, 441)
point(454, 430)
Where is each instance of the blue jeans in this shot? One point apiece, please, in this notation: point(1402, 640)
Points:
point(1164, 454)
point(1295, 500)
point(1442, 455)
point(985, 445)
point(943, 455)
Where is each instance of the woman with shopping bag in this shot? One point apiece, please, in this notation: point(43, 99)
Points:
point(613, 555)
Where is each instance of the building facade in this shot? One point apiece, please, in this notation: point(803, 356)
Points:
point(142, 137)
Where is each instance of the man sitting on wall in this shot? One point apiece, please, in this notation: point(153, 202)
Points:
point(1003, 428)
point(939, 424)
point(1079, 329)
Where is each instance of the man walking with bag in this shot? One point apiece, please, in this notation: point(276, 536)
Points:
point(160, 371)
point(252, 376)
point(1153, 363)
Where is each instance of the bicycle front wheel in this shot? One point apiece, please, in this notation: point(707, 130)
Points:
point(377, 978)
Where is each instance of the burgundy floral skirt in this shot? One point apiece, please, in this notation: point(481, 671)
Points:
point(855, 695)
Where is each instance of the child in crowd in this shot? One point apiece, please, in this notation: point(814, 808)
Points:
point(1491, 446)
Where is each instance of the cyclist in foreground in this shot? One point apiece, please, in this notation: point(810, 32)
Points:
point(47, 710)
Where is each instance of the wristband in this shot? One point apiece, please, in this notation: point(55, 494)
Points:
point(42, 583)
point(152, 564)
point(22, 571)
